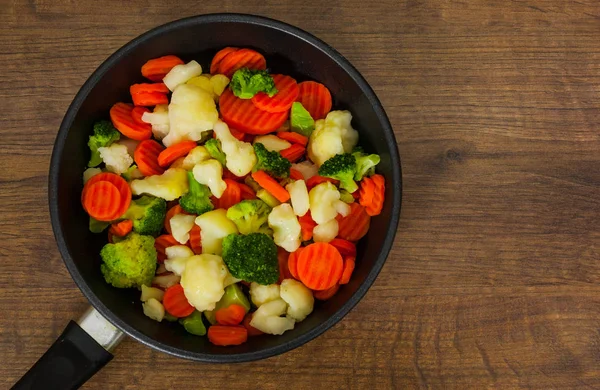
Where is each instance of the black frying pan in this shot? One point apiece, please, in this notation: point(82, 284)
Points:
point(83, 348)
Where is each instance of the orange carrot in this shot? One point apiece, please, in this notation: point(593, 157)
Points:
point(293, 153)
point(161, 243)
point(175, 302)
point(354, 226)
point(323, 295)
point(102, 201)
point(170, 213)
point(283, 258)
point(296, 174)
point(320, 266)
point(110, 237)
point(242, 115)
point(306, 226)
point(146, 157)
point(232, 195)
point(214, 65)
point(293, 137)
point(316, 180)
point(372, 194)
point(227, 335)
point(195, 242)
point(349, 263)
point(148, 87)
point(293, 262)
point(243, 58)
point(157, 68)
point(230, 315)
point(271, 186)
point(117, 181)
point(149, 94)
point(252, 331)
point(367, 190)
point(121, 117)
point(287, 92)
point(173, 152)
point(122, 228)
point(246, 192)
point(345, 247)
point(137, 113)
point(315, 97)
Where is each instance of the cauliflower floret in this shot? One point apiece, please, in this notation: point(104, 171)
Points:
point(325, 202)
point(179, 74)
point(116, 158)
point(209, 173)
point(298, 297)
point(219, 83)
point(240, 155)
point(332, 135)
point(169, 186)
point(214, 226)
point(267, 318)
point(202, 81)
point(154, 309)
point(181, 224)
point(272, 142)
point(89, 173)
point(326, 232)
point(192, 111)
point(159, 119)
point(261, 294)
point(203, 281)
point(177, 256)
point(151, 292)
point(307, 169)
point(286, 228)
point(196, 155)
point(299, 197)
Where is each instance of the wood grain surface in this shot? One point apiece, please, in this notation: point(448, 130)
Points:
point(493, 281)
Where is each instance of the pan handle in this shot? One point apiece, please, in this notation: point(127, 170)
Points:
point(80, 351)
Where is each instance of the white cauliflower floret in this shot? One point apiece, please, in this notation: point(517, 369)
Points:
point(214, 226)
point(116, 158)
point(180, 74)
point(307, 169)
point(326, 232)
point(299, 197)
point(170, 185)
point(267, 318)
point(159, 119)
point(261, 294)
point(154, 309)
point(177, 256)
point(286, 228)
point(332, 135)
point(240, 155)
point(210, 173)
point(343, 208)
point(325, 202)
point(298, 297)
point(202, 81)
point(89, 173)
point(196, 155)
point(192, 111)
point(203, 281)
point(272, 142)
point(181, 224)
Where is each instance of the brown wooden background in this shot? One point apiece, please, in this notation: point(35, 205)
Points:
point(494, 278)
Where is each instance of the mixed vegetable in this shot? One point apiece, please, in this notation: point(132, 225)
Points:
point(232, 199)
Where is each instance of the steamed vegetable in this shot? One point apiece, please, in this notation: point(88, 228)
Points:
point(179, 74)
point(203, 281)
point(286, 229)
point(251, 257)
point(116, 157)
point(130, 262)
point(341, 167)
point(325, 203)
point(147, 214)
point(332, 135)
point(197, 199)
point(240, 157)
point(298, 297)
point(261, 294)
point(246, 83)
point(250, 216)
point(300, 120)
point(159, 120)
point(215, 226)
point(104, 135)
point(365, 164)
point(214, 149)
point(272, 142)
point(271, 162)
point(267, 318)
point(210, 173)
point(169, 186)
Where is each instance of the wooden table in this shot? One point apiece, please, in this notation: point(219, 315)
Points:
point(493, 280)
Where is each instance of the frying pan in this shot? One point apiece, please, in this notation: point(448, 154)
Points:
point(84, 346)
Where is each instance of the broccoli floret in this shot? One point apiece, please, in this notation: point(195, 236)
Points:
point(251, 257)
point(148, 214)
point(300, 120)
point(341, 167)
point(271, 162)
point(246, 83)
point(213, 146)
point(130, 262)
point(104, 135)
point(197, 199)
point(250, 216)
point(365, 163)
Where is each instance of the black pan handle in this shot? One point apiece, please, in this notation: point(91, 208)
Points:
point(74, 357)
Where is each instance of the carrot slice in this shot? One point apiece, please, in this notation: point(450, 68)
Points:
point(293, 153)
point(231, 315)
point(214, 65)
point(102, 200)
point(296, 174)
point(349, 263)
point(117, 181)
point(122, 228)
point(172, 153)
point(242, 115)
point(243, 58)
point(170, 213)
point(271, 186)
point(232, 195)
point(324, 295)
point(246, 192)
point(283, 258)
point(157, 68)
point(316, 180)
point(367, 190)
point(306, 226)
point(176, 303)
point(137, 113)
point(146, 155)
point(293, 137)
point(287, 92)
point(320, 266)
point(161, 243)
point(354, 226)
point(148, 87)
point(149, 99)
point(252, 331)
point(195, 242)
point(121, 117)
point(293, 262)
point(345, 247)
point(373, 201)
point(227, 335)
point(315, 97)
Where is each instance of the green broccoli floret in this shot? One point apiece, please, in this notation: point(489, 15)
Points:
point(365, 164)
point(251, 257)
point(104, 135)
point(250, 216)
point(129, 263)
point(197, 199)
point(148, 214)
point(341, 167)
point(300, 120)
point(213, 146)
point(271, 162)
point(246, 83)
